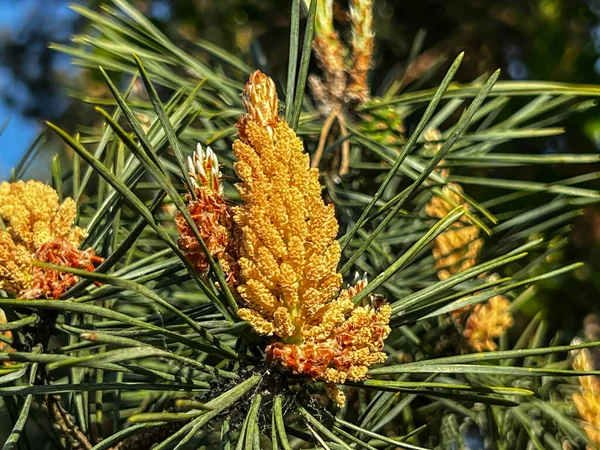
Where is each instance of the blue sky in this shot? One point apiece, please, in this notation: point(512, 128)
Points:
point(20, 132)
point(13, 12)
point(15, 16)
point(15, 139)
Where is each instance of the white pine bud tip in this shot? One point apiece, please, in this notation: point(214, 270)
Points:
point(208, 157)
point(199, 151)
point(200, 167)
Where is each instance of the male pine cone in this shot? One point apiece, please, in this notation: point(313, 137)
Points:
point(287, 283)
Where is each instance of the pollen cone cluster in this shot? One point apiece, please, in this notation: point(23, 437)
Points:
point(456, 250)
point(38, 228)
point(211, 214)
point(587, 401)
point(487, 322)
point(289, 287)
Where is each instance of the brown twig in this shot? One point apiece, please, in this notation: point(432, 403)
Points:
point(323, 137)
point(345, 165)
point(65, 424)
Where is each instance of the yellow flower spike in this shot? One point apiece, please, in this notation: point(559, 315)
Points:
point(587, 401)
point(34, 216)
point(39, 228)
point(15, 265)
point(289, 287)
point(457, 249)
point(288, 233)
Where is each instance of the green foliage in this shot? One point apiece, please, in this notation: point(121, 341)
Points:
point(143, 351)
